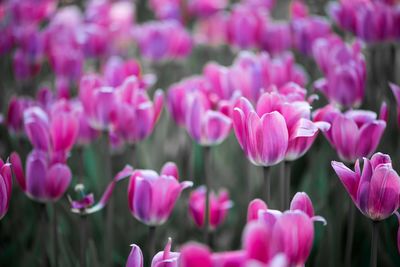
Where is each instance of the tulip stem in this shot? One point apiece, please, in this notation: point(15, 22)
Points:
point(132, 152)
point(267, 185)
point(108, 241)
point(55, 235)
point(287, 184)
point(83, 229)
point(350, 233)
point(207, 165)
point(152, 241)
point(374, 244)
point(283, 184)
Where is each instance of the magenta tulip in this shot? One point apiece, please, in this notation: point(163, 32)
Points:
point(151, 197)
point(135, 258)
point(212, 30)
point(219, 206)
point(135, 115)
point(206, 126)
point(166, 258)
point(53, 133)
point(353, 134)
point(255, 206)
point(166, 9)
point(5, 187)
point(44, 181)
point(15, 113)
point(375, 189)
point(204, 8)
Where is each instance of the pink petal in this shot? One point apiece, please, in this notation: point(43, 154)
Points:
point(256, 241)
point(18, 170)
point(369, 137)
point(345, 135)
point(254, 207)
point(349, 179)
point(301, 201)
point(135, 258)
point(195, 255)
point(170, 169)
point(58, 179)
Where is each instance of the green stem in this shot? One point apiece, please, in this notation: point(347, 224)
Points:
point(108, 241)
point(152, 241)
point(282, 185)
point(207, 166)
point(267, 185)
point(287, 184)
point(374, 244)
point(350, 233)
point(55, 235)
point(83, 240)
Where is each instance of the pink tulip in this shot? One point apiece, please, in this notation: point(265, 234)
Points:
point(305, 31)
point(195, 255)
point(15, 113)
point(243, 26)
point(262, 4)
point(298, 9)
point(345, 71)
point(54, 133)
point(211, 30)
point(135, 116)
point(177, 94)
point(375, 189)
point(353, 134)
point(98, 101)
point(5, 187)
point(44, 181)
point(255, 206)
point(96, 40)
point(166, 9)
point(204, 8)
point(151, 197)
point(275, 37)
point(396, 92)
point(86, 133)
point(135, 258)
point(166, 258)
point(219, 206)
point(292, 133)
point(206, 126)
point(162, 40)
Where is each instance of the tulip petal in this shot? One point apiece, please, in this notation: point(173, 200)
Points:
point(239, 127)
point(18, 170)
point(58, 179)
point(36, 175)
point(143, 200)
point(158, 104)
point(301, 201)
point(274, 138)
point(256, 241)
point(135, 258)
point(349, 179)
point(345, 134)
point(170, 169)
point(370, 136)
point(195, 255)
point(254, 207)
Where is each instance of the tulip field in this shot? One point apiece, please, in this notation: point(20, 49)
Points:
point(199, 133)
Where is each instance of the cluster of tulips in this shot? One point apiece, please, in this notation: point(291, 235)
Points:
point(99, 91)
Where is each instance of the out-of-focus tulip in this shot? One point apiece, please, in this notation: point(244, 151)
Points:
point(344, 68)
point(166, 9)
point(15, 113)
point(396, 92)
point(135, 258)
point(219, 206)
point(53, 133)
point(166, 258)
point(211, 30)
point(135, 115)
point(86, 133)
point(163, 40)
point(206, 126)
point(5, 187)
point(98, 101)
point(298, 9)
point(204, 8)
point(275, 37)
point(255, 206)
point(263, 4)
point(25, 12)
point(195, 255)
point(151, 197)
point(353, 134)
point(375, 189)
point(243, 26)
point(305, 31)
point(44, 181)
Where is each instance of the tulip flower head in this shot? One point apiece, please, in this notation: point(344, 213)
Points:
point(374, 189)
point(219, 206)
point(151, 197)
point(353, 134)
point(5, 187)
point(44, 181)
